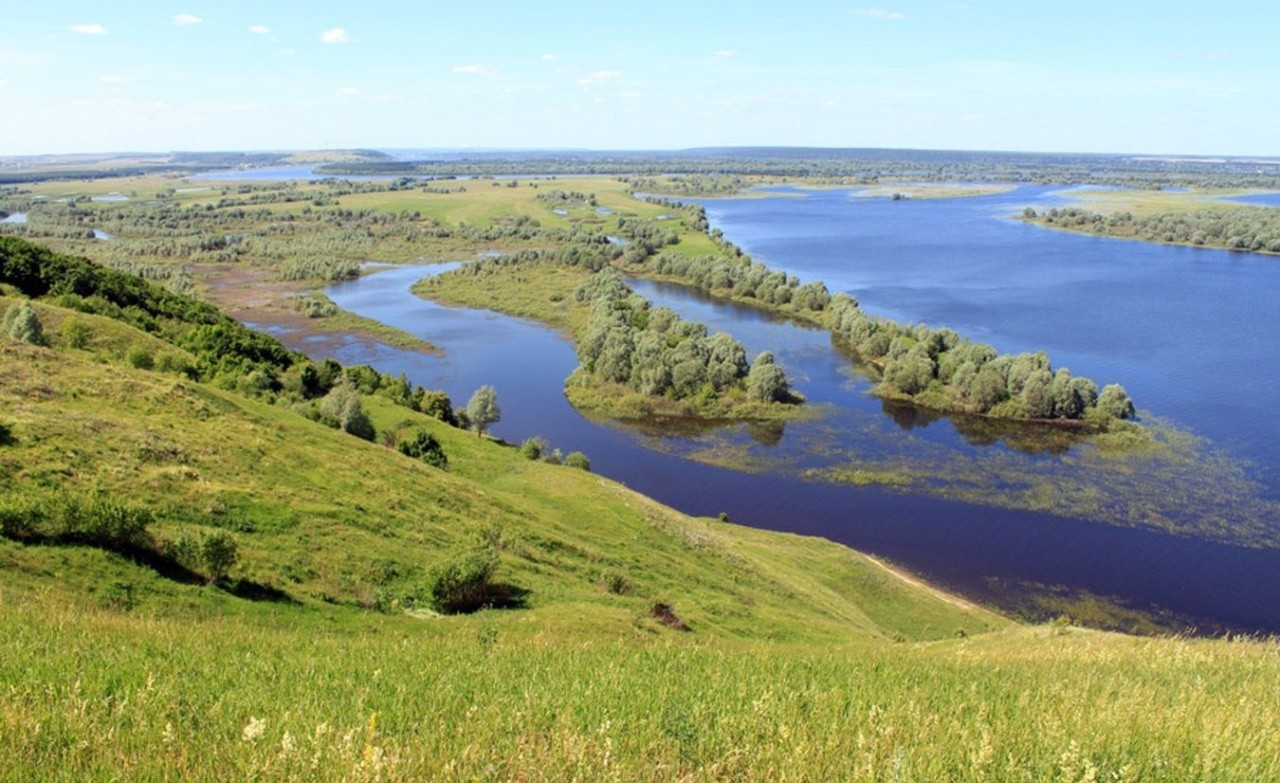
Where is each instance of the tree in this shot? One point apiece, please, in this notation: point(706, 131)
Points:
point(22, 324)
point(482, 409)
point(1114, 402)
point(219, 552)
point(767, 382)
point(341, 408)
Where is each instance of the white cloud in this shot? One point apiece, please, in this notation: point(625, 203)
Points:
point(598, 77)
point(348, 92)
point(726, 53)
point(474, 69)
point(259, 29)
point(549, 58)
point(880, 14)
point(287, 52)
point(88, 29)
point(115, 79)
point(337, 35)
point(630, 95)
point(182, 20)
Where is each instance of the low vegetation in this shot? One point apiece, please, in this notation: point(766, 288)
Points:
point(1242, 228)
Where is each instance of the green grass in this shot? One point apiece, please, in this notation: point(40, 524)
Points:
point(92, 694)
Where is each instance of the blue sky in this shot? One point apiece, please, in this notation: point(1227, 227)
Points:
point(1118, 76)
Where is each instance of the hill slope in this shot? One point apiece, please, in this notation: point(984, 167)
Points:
point(315, 659)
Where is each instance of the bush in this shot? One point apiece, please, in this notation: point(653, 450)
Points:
point(220, 554)
point(532, 448)
point(75, 333)
point(104, 523)
point(576, 459)
point(461, 582)
point(425, 447)
point(22, 324)
point(140, 358)
point(341, 408)
point(6, 434)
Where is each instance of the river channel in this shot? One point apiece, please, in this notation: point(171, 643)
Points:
point(947, 522)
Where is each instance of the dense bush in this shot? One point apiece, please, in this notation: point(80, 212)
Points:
point(342, 410)
point(22, 324)
point(461, 582)
point(655, 352)
point(939, 369)
point(104, 523)
point(425, 447)
point(1248, 228)
point(576, 459)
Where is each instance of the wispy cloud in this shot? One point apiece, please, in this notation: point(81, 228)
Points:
point(110, 79)
point(549, 58)
point(880, 14)
point(88, 29)
point(337, 35)
point(726, 53)
point(475, 69)
point(182, 20)
point(348, 92)
point(259, 29)
point(598, 77)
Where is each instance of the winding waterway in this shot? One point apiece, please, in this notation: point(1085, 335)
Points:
point(953, 262)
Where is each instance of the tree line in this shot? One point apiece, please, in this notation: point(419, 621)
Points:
point(1245, 228)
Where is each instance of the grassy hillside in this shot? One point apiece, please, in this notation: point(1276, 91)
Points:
point(313, 660)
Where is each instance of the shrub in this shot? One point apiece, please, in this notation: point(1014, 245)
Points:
point(425, 447)
point(532, 448)
point(6, 434)
point(341, 408)
point(22, 324)
point(461, 582)
point(220, 554)
point(75, 333)
point(140, 358)
point(576, 459)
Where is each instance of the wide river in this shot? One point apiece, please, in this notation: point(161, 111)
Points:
point(989, 515)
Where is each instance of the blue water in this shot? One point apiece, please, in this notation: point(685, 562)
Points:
point(1189, 332)
point(1185, 330)
point(990, 554)
point(1260, 199)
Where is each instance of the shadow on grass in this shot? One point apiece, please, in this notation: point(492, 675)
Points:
point(256, 591)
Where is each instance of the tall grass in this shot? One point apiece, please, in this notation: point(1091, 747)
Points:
point(97, 696)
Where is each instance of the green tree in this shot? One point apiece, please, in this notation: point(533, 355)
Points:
point(576, 459)
point(1114, 402)
point(766, 381)
point(220, 554)
point(341, 408)
point(22, 324)
point(482, 409)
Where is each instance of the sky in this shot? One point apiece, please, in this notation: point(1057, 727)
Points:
point(1083, 76)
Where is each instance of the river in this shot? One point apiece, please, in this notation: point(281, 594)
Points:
point(967, 266)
